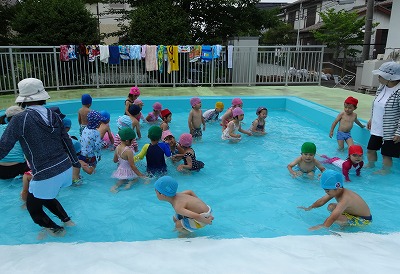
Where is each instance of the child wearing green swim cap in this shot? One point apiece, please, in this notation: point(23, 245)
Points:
point(306, 162)
point(350, 209)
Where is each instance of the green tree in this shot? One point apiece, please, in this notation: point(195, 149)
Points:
point(340, 31)
point(54, 22)
point(6, 13)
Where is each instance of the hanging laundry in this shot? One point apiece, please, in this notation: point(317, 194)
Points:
point(72, 52)
point(160, 57)
point(82, 49)
point(184, 49)
point(114, 55)
point(134, 52)
point(143, 52)
point(173, 60)
point(151, 58)
point(230, 55)
point(194, 53)
point(124, 52)
point(216, 51)
point(64, 53)
point(93, 52)
point(104, 53)
point(206, 53)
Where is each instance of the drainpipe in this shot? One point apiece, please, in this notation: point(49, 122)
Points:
point(368, 30)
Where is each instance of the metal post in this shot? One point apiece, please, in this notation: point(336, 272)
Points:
point(56, 67)
point(368, 30)
point(13, 70)
point(298, 27)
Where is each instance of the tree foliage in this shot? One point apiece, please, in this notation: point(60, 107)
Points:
point(189, 21)
point(54, 22)
point(6, 13)
point(340, 31)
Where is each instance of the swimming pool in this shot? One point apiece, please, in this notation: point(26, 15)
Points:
point(247, 184)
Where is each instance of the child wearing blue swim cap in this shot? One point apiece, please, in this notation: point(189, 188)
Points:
point(350, 209)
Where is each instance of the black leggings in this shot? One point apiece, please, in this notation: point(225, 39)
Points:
point(35, 208)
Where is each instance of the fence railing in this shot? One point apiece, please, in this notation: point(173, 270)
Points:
point(262, 65)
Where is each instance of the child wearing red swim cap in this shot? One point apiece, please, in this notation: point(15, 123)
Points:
point(346, 120)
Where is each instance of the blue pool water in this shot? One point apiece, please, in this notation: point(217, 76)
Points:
point(246, 184)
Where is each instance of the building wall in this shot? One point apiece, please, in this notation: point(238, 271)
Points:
point(393, 40)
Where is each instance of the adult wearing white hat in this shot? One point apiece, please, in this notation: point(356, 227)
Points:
point(47, 148)
point(14, 163)
point(384, 124)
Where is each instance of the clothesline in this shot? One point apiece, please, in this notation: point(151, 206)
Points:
point(154, 55)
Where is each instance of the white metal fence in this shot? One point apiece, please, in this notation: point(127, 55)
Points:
point(262, 65)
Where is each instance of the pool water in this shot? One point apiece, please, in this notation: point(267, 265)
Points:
point(247, 184)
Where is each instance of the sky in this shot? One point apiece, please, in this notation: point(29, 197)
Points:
point(364, 253)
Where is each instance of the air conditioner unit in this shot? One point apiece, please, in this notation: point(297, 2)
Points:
point(367, 79)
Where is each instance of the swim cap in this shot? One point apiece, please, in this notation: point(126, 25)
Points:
point(308, 147)
point(138, 102)
point(157, 106)
point(124, 121)
point(219, 105)
point(165, 134)
point(237, 101)
point(94, 118)
point(331, 179)
point(77, 146)
point(355, 149)
point(154, 133)
point(67, 122)
point(186, 140)
point(13, 110)
point(126, 133)
point(237, 112)
point(194, 101)
point(58, 111)
point(259, 109)
point(351, 101)
point(134, 109)
point(105, 116)
point(86, 99)
point(134, 91)
point(166, 185)
point(165, 113)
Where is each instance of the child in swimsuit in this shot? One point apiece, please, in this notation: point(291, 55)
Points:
point(166, 116)
point(84, 111)
point(134, 93)
point(189, 157)
point(196, 119)
point(235, 125)
point(153, 116)
point(227, 117)
point(140, 104)
point(90, 140)
point(306, 163)
point(258, 125)
point(211, 115)
point(354, 160)
point(105, 131)
point(123, 155)
point(191, 212)
point(350, 209)
point(176, 150)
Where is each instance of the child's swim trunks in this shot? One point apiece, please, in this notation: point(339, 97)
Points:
point(357, 220)
point(343, 135)
point(191, 224)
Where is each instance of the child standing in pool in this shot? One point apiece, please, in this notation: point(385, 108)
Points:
point(134, 93)
point(350, 209)
point(306, 163)
point(354, 160)
point(156, 152)
point(189, 157)
point(228, 116)
point(123, 155)
point(166, 116)
point(84, 111)
point(196, 118)
point(258, 125)
point(346, 119)
point(191, 212)
point(105, 131)
point(153, 116)
point(235, 125)
point(90, 140)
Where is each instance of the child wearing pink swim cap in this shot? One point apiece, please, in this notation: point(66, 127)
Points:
point(153, 116)
point(196, 119)
point(189, 157)
point(134, 93)
point(227, 117)
point(235, 125)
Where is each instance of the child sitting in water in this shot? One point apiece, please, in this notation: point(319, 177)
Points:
point(196, 119)
point(105, 131)
point(123, 155)
point(84, 111)
point(189, 157)
point(90, 140)
point(176, 150)
point(211, 115)
point(228, 116)
point(306, 163)
point(191, 212)
point(354, 160)
point(166, 116)
point(258, 125)
point(230, 132)
point(350, 209)
point(153, 116)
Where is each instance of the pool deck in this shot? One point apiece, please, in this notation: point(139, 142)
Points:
point(330, 97)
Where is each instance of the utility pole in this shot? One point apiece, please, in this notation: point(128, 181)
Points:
point(368, 30)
